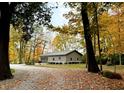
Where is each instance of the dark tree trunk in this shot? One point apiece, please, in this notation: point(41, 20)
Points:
point(5, 16)
point(97, 31)
point(92, 65)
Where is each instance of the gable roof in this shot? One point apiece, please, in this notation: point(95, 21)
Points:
point(63, 53)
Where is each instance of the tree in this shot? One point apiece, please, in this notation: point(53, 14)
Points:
point(33, 13)
point(37, 41)
point(16, 13)
point(95, 5)
point(5, 17)
point(67, 42)
point(83, 20)
point(92, 65)
point(14, 44)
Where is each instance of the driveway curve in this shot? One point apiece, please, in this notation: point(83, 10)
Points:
point(44, 78)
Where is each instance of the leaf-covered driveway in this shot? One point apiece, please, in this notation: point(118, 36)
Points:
point(42, 78)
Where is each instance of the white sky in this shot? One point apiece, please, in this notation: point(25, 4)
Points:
point(57, 17)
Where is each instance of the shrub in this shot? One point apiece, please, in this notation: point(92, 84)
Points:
point(107, 74)
point(103, 59)
point(122, 59)
point(115, 59)
point(111, 75)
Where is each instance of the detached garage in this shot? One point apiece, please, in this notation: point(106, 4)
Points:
point(62, 57)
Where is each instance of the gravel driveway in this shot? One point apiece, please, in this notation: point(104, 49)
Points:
point(43, 78)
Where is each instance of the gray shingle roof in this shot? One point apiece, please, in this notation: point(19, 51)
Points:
point(60, 53)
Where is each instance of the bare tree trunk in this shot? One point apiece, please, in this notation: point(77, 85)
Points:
point(24, 52)
point(97, 31)
point(34, 53)
point(44, 45)
point(119, 42)
point(92, 65)
point(29, 57)
point(20, 52)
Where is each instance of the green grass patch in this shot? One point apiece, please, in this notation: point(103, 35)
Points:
point(119, 68)
point(73, 66)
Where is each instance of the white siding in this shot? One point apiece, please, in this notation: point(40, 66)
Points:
point(57, 59)
point(73, 57)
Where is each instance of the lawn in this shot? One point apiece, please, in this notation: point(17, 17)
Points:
point(119, 68)
point(73, 66)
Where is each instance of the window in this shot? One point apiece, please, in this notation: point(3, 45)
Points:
point(71, 59)
point(77, 59)
point(59, 57)
point(53, 59)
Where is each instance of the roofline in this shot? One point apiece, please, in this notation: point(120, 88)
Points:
point(51, 55)
point(63, 54)
point(74, 51)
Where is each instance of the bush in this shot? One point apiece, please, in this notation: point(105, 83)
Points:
point(115, 59)
point(103, 59)
point(107, 74)
point(111, 75)
point(122, 59)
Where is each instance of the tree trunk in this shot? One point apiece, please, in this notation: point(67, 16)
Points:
point(119, 37)
point(92, 65)
point(5, 16)
point(97, 31)
point(29, 57)
point(34, 53)
point(44, 45)
point(20, 52)
point(24, 52)
point(94, 43)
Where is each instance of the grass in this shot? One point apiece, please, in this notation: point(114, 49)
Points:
point(73, 66)
point(119, 68)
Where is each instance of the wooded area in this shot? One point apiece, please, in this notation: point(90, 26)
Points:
point(96, 28)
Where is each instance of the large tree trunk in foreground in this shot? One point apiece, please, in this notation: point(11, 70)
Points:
point(5, 16)
point(92, 65)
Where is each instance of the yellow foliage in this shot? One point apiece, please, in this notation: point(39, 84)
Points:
point(111, 29)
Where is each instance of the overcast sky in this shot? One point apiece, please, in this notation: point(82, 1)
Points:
point(57, 17)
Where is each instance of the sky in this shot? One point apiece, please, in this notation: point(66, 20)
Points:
point(56, 20)
point(57, 17)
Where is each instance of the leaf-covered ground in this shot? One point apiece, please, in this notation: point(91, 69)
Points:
point(44, 78)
